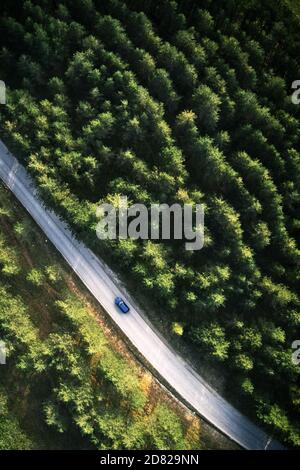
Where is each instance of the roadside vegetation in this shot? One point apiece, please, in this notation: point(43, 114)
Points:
point(176, 101)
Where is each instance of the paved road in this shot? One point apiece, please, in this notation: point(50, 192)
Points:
point(103, 284)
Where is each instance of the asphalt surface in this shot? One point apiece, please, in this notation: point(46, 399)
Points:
point(103, 284)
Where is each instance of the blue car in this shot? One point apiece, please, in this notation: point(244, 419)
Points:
point(121, 304)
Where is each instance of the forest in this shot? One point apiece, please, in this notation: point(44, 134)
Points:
point(70, 382)
point(178, 102)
